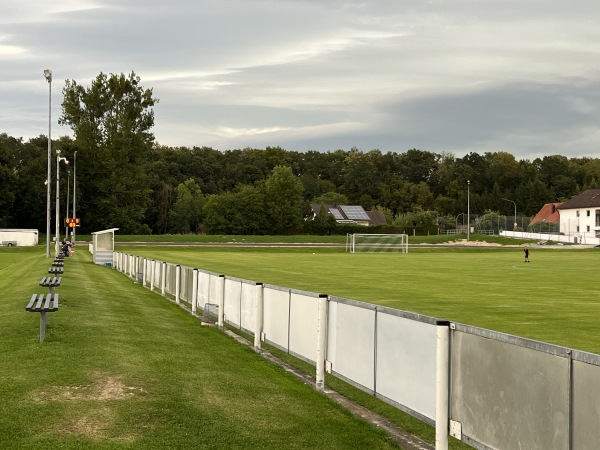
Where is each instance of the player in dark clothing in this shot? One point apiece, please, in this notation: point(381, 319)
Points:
point(526, 251)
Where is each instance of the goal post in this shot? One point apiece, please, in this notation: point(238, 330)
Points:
point(358, 242)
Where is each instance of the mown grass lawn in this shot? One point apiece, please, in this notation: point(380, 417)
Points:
point(555, 298)
point(122, 367)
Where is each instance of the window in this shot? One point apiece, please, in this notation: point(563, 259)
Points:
point(598, 217)
point(577, 213)
point(587, 213)
point(578, 228)
point(588, 228)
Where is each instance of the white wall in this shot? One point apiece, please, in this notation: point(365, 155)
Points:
point(20, 236)
point(565, 239)
point(569, 223)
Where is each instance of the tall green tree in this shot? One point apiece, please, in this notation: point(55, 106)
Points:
point(285, 200)
point(186, 215)
point(237, 212)
point(112, 121)
point(8, 177)
point(331, 198)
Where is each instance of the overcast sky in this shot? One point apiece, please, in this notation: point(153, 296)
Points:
point(453, 76)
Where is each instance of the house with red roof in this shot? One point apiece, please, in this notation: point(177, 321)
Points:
point(549, 214)
point(580, 216)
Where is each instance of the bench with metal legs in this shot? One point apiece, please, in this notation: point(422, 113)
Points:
point(43, 303)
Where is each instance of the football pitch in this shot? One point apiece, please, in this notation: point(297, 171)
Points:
point(555, 298)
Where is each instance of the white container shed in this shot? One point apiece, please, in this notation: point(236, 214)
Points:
point(17, 236)
point(103, 246)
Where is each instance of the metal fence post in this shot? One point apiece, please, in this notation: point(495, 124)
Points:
point(442, 385)
point(163, 278)
point(258, 314)
point(221, 300)
point(194, 290)
point(321, 341)
point(144, 271)
point(177, 282)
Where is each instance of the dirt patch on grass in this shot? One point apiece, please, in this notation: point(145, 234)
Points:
point(104, 387)
point(94, 420)
point(95, 425)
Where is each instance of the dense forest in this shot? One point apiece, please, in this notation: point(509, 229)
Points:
point(126, 180)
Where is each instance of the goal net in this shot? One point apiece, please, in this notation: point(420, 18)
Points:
point(397, 243)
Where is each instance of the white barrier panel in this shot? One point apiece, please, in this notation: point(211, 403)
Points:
point(185, 277)
point(276, 316)
point(233, 297)
point(508, 396)
point(170, 279)
point(304, 309)
point(586, 414)
point(203, 289)
point(406, 362)
point(248, 307)
point(157, 274)
point(215, 289)
point(351, 343)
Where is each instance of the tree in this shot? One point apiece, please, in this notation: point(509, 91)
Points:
point(418, 165)
point(331, 198)
point(360, 175)
point(112, 122)
point(8, 178)
point(285, 202)
point(238, 212)
point(186, 214)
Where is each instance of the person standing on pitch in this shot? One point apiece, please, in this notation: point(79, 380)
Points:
point(526, 251)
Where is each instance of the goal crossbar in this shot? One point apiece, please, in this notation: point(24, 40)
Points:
point(363, 242)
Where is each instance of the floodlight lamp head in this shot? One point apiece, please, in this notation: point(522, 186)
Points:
point(48, 75)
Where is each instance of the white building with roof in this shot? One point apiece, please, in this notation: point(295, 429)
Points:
point(580, 216)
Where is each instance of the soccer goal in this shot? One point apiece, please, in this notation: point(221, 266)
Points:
point(397, 243)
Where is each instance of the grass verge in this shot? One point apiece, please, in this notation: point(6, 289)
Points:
point(122, 367)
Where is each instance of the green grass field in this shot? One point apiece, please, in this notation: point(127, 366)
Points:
point(123, 368)
point(555, 298)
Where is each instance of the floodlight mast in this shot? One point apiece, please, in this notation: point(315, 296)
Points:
point(58, 160)
point(468, 210)
point(48, 76)
point(74, 186)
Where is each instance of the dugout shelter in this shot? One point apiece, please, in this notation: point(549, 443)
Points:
point(103, 246)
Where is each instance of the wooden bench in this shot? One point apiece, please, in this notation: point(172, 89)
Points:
point(43, 303)
point(55, 270)
point(51, 282)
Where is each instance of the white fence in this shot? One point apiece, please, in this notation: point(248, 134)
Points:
point(554, 237)
point(489, 389)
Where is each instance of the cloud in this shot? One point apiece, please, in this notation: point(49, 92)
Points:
point(304, 74)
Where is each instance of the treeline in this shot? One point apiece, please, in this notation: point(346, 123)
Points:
point(126, 180)
point(268, 191)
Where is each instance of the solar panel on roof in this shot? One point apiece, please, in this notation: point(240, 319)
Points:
point(336, 214)
point(355, 212)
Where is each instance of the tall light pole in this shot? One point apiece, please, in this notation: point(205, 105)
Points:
point(74, 185)
point(468, 210)
point(58, 160)
point(48, 76)
point(68, 192)
point(515, 222)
